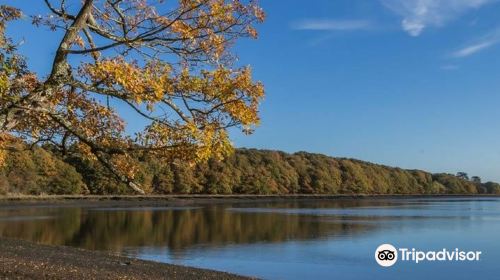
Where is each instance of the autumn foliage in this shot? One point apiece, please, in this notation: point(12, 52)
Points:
point(170, 64)
point(45, 171)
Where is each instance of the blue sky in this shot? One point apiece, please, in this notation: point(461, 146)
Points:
point(411, 83)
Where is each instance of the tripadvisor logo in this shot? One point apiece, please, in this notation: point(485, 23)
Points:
point(387, 255)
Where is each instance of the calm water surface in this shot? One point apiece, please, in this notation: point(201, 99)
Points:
point(313, 239)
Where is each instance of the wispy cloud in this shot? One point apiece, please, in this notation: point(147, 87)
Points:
point(331, 25)
point(419, 14)
point(485, 42)
point(472, 49)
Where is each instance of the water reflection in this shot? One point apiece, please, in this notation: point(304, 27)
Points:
point(177, 228)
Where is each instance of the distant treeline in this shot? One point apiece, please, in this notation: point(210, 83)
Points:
point(247, 171)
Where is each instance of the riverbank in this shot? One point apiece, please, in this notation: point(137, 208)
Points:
point(199, 199)
point(25, 260)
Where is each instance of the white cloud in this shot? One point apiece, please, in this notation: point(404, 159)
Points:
point(472, 49)
point(414, 28)
point(420, 14)
point(331, 25)
point(483, 43)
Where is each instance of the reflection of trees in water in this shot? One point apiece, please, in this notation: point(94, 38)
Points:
point(48, 226)
point(177, 229)
point(325, 203)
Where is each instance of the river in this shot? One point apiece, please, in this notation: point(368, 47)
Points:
point(291, 239)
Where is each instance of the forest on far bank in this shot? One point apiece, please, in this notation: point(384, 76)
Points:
point(246, 171)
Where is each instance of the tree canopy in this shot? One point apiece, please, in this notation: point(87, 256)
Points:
point(246, 171)
point(170, 63)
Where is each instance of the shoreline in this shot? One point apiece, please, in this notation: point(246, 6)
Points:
point(181, 200)
point(215, 196)
point(26, 260)
point(228, 196)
